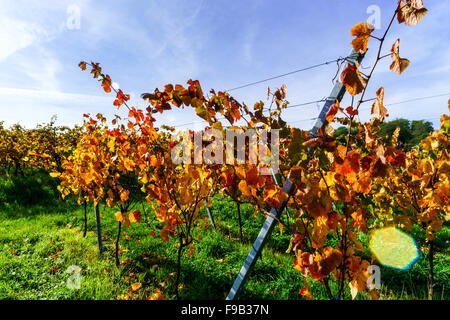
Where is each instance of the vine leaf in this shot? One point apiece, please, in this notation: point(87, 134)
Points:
point(411, 12)
point(362, 33)
point(378, 108)
point(82, 65)
point(135, 216)
point(332, 112)
point(398, 64)
point(352, 79)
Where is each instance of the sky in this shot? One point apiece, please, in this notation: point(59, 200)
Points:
point(144, 45)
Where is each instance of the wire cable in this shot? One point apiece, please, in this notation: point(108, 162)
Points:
point(386, 105)
point(322, 100)
point(285, 74)
point(417, 99)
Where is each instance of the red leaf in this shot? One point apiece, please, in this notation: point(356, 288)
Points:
point(82, 65)
point(106, 83)
point(351, 111)
point(332, 112)
point(135, 216)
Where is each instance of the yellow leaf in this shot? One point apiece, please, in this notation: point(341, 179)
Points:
point(217, 125)
point(128, 164)
point(136, 286)
point(119, 216)
point(157, 295)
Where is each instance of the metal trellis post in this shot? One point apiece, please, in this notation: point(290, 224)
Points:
point(336, 94)
point(210, 215)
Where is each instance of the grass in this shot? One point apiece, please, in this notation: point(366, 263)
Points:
point(40, 240)
point(37, 250)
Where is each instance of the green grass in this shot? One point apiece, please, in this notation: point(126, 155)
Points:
point(36, 251)
point(40, 241)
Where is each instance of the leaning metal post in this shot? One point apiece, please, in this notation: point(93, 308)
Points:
point(336, 94)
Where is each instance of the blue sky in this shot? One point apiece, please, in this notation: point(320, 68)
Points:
point(146, 44)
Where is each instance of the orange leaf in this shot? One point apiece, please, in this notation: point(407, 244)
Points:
point(332, 112)
point(362, 33)
point(96, 69)
point(378, 108)
point(281, 229)
point(358, 220)
point(124, 195)
point(243, 187)
point(350, 165)
point(128, 164)
point(157, 295)
point(82, 65)
point(363, 184)
point(332, 259)
point(306, 293)
point(353, 160)
point(135, 216)
point(342, 151)
point(121, 98)
point(352, 79)
point(106, 83)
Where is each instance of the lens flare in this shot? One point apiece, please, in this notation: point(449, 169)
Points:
point(394, 248)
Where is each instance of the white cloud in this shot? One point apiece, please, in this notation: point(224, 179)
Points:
point(42, 70)
point(24, 23)
point(16, 35)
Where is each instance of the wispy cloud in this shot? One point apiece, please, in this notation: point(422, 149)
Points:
point(144, 45)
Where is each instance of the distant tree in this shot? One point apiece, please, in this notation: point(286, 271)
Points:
point(419, 130)
point(388, 128)
point(411, 132)
point(340, 134)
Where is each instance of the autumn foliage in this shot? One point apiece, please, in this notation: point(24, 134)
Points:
point(341, 190)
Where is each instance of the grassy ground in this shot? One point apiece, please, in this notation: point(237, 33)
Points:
point(40, 238)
